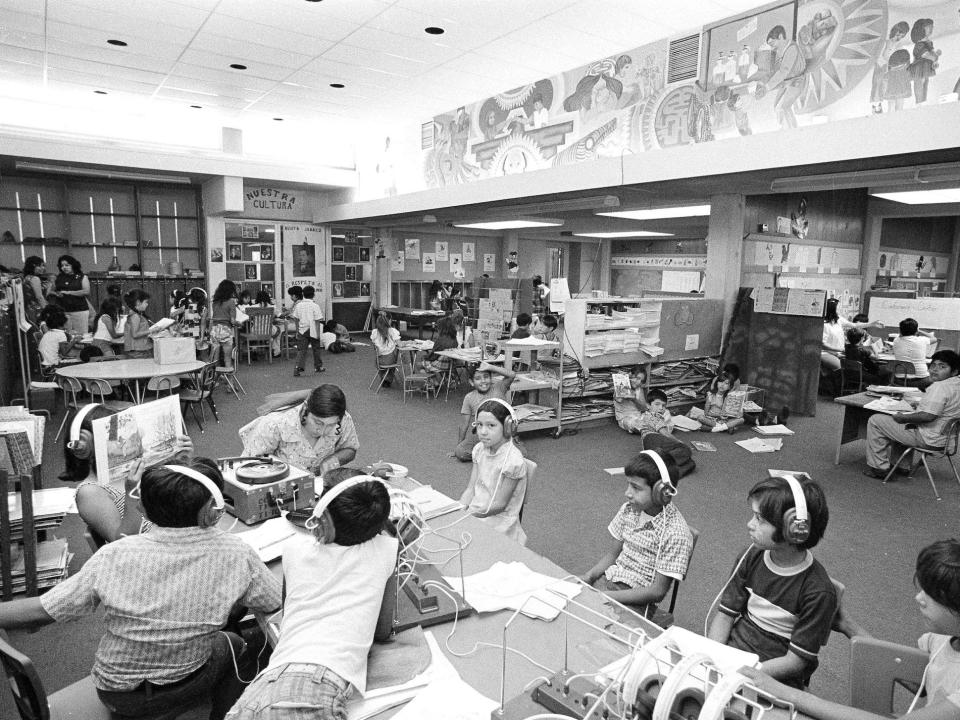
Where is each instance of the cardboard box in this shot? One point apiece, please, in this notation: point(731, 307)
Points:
point(169, 351)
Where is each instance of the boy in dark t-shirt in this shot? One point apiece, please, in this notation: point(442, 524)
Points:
point(779, 601)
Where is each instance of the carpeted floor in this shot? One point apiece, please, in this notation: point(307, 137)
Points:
point(874, 534)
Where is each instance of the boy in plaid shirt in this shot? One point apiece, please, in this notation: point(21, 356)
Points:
point(650, 542)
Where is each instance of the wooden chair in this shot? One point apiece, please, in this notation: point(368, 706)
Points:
point(259, 336)
point(952, 432)
point(228, 375)
point(383, 369)
point(852, 376)
point(79, 700)
point(206, 380)
point(664, 618)
point(877, 668)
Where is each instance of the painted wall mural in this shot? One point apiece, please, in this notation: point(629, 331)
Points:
point(799, 63)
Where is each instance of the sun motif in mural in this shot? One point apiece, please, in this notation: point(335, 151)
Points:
point(839, 40)
point(517, 154)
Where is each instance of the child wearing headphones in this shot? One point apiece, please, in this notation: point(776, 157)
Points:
point(340, 597)
point(498, 482)
point(650, 542)
point(937, 579)
point(779, 602)
point(166, 595)
point(103, 507)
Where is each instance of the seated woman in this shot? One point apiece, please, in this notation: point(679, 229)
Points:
point(104, 507)
point(858, 349)
point(317, 435)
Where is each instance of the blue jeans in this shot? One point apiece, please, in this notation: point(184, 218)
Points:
point(294, 690)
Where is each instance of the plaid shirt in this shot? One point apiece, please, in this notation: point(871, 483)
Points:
point(165, 594)
point(659, 544)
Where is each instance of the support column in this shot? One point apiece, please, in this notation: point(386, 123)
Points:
point(725, 251)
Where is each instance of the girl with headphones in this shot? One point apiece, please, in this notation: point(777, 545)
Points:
point(780, 602)
point(101, 505)
point(498, 482)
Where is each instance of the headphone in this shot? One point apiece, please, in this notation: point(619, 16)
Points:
point(321, 518)
point(663, 490)
point(796, 520)
point(510, 423)
point(79, 448)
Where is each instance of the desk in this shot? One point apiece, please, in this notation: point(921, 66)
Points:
point(414, 317)
point(127, 370)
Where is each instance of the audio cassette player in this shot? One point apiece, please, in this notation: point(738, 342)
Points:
point(258, 488)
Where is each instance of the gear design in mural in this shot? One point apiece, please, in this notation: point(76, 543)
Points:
point(517, 154)
point(839, 39)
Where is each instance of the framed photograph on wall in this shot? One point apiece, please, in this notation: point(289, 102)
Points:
point(337, 253)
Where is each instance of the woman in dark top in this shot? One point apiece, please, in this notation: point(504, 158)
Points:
point(873, 374)
point(34, 269)
point(72, 289)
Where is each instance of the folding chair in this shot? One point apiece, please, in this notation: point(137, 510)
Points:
point(664, 618)
point(952, 432)
point(79, 700)
point(877, 667)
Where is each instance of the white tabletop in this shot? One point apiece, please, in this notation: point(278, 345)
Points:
point(127, 369)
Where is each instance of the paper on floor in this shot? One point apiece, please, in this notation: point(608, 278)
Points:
point(536, 595)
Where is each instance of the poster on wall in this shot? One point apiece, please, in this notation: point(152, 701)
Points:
point(469, 252)
point(429, 261)
point(443, 248)
point(456, 264)
point(398, 263)
point(489, 262)
point(411, 247)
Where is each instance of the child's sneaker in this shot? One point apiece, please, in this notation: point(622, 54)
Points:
point(720, 427)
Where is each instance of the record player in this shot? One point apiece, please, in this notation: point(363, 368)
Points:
point(257, 488)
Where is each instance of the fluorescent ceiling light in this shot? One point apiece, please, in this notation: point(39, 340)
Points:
point(921, 197)
point(510, 224)
point(660, 213)
point(624, 234)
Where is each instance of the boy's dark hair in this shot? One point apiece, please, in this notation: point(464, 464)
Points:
point(309, 291)
point(950, 357)
point(938, 573)
point(774, 498)
point(360, 512)
point(732, 370)
point(909, 326)
point(172, 500)
point(645, 468)
point(855, 336)
point(550, 321)
point(656, 394)
point(53, 316)
point(524, 319)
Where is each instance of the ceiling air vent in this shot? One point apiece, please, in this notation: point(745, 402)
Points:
point(683, 59)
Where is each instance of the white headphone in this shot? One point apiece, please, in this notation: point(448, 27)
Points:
point(74, 443)
point(796, 521)
point(316, 518)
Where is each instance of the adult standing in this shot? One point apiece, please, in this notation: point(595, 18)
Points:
point(922, 428)
point(72, 290)
point(317, 435)
point(34, 268)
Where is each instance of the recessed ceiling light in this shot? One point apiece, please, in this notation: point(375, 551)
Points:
point(510, 224)
point(279, 119)
point(197, 107)
point(433, 30)
point(337, 85)
point(100, 92)
point(238, 66)
point(921, 197)
point(659, 213)
point(624, 234)
point(118, 43)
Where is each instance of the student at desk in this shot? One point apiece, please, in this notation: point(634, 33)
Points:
point(923, 427)
point(339, 598)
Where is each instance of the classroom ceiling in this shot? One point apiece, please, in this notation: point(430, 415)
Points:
point(284, 58)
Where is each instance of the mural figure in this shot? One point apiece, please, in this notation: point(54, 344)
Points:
point(879, 86)
point(925, 58)
point(788, 78)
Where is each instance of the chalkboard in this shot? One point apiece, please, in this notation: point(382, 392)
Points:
point(932, 313)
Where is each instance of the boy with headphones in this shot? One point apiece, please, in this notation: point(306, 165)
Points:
point(340, 595)
point(780, 602)
point(650, 542)
point(166, 595)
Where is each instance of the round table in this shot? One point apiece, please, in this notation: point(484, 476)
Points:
point(127, 370)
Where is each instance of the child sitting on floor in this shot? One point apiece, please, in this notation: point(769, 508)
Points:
point(723, 409)
point(55, 344)
point(165, 595)
point(650, 542)
point(484, 387)
point(340, 587)
point(498, 482)
point(779, 601)
point(937, 578)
